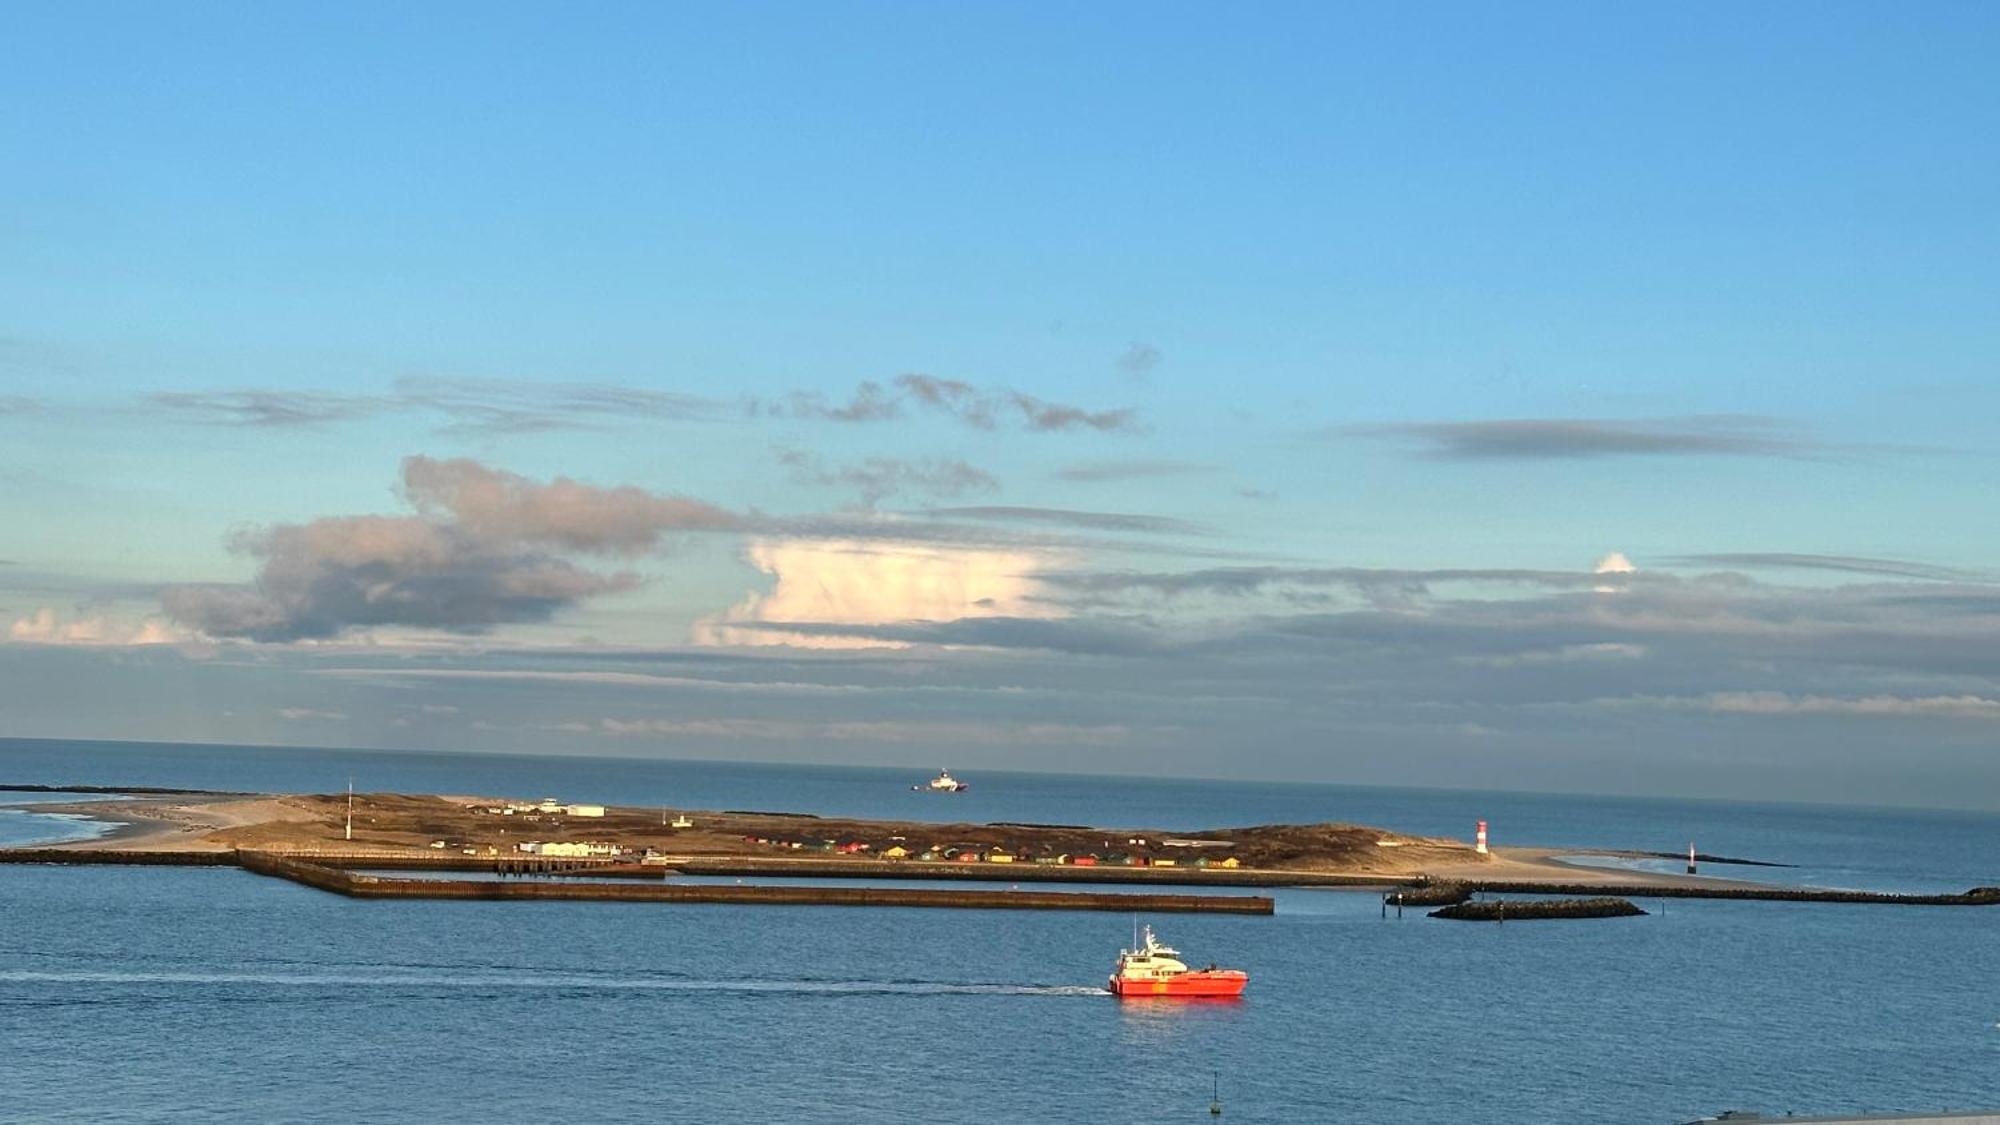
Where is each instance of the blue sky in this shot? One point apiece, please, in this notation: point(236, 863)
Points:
point(1311, 288)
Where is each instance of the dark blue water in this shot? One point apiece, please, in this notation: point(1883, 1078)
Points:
point(198, 994)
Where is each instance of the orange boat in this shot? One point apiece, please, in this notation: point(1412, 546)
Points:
point(1156, 970)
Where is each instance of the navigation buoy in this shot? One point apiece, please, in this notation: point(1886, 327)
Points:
point(1215, 1100)
point(1479, 839)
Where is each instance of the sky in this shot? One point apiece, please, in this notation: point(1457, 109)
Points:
point(1558, 398)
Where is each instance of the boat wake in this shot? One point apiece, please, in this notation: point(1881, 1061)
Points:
point(522, 980)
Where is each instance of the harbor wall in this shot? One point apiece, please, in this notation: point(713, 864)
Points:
point(1020, 872)
point(371, 886)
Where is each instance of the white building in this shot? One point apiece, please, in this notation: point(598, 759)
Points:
point(569, 849)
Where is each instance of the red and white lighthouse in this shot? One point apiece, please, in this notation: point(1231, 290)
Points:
point(1479, 839)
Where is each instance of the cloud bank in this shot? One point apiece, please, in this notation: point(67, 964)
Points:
point(463, 406)
point(1530, 439)
point(1131, 469)
point(977, 407)
point(878, 478)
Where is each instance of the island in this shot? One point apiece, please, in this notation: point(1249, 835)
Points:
point(347, 842)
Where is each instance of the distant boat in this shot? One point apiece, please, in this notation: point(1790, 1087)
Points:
point(942, 783)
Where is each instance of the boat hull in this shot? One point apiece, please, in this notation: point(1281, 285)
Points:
point(1207, 983)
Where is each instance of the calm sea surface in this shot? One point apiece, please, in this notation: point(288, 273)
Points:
point(173, 994)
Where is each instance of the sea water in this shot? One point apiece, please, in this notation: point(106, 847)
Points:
point(185, 994)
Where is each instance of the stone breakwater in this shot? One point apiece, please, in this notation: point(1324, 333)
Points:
point(1437, 894)
point(1518, 910)
point(106, 857)
point(1977, 896)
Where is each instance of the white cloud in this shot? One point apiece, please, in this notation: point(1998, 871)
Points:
point(1613, 563)
point(846, 582)
point(47, 627)
point(297, 714)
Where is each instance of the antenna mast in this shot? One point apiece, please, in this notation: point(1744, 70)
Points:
point(350, 807)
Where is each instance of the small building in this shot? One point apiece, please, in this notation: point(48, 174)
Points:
point(966, 856)
point(999, 856)
point(1164, 863)
point(1230, 861)
point(895, 851)
point(1085, 861)
point(584, 810)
